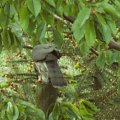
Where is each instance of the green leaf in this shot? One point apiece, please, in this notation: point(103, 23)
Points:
point(7, 10)
point(105, 28)
point(50, 117)
point(56, 112)
point(9, 39)
point(12, 10)
point(3, 18)
point(41, 30)
point(116, 56)
point(79, 24)
point(112, 26)
point(60, 8)
point(49, 18)
point(6, 39)
point(81, 3)
point(31, 27)
point(39, 112)
point(100, 61)
point(83, 111)
point(2, 114)
point(72, 109)
point(91, 108)
point(117, 4)
point(3, 85)
point(17, 42)
point(51, 2)
point(90, 34)
point(10, 111)
point(34, 6)
point(109, 57)
point(83, 15)
point(16, 112)
point(84, 49)
point(0, 43)
point(24, 18)
point(79, 33)
point(111, 9)
point(60, 26)
point(58, 39)
point(13, 40)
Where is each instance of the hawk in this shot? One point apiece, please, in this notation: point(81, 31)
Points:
point(45, 57)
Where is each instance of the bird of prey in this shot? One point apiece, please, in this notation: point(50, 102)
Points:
point(45, 57)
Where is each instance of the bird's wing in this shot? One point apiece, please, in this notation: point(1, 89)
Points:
point(41, 51)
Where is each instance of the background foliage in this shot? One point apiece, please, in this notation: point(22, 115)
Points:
point(86, 31)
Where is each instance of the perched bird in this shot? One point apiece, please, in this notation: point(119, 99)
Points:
point(46, 57)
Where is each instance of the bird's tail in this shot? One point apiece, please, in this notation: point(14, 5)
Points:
point(55, 74)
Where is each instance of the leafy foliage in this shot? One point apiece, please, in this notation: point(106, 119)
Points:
point(83, 30)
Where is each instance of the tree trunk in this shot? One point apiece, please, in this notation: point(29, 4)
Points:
point(46, 97)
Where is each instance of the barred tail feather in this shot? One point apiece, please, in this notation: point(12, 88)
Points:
point(55, 74)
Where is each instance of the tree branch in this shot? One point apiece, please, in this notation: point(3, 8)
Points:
point(19, 74)
point(28, 47)
point(112, 44)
